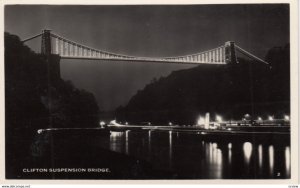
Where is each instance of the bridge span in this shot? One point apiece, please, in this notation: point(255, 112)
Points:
point(54, 44)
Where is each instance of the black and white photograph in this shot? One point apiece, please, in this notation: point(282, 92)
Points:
point(148, 92)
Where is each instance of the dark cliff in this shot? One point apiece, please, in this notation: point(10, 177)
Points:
point(32, 102)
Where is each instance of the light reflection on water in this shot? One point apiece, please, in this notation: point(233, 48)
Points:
point(170, 148)
point(260, 156)
point(149, 141)
point(271, 159)
point(115, 141)
point(214, 163)
point(203, 158)
point(126, 142)
point(229, 153)
point(287, 161)
point(247, 148)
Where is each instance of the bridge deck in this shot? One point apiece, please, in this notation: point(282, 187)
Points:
point(143, 60)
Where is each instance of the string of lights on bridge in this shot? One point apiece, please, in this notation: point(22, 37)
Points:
point(53, 43)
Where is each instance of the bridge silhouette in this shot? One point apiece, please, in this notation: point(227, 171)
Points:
point(55, 47)
point(53, 44)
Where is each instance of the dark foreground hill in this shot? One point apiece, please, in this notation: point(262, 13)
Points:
point(229, 90)
point(27, 88)
point(31, 103)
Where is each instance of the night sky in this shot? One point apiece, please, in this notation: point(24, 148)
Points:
point(151, 31)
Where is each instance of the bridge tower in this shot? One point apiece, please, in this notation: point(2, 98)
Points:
point(53, 61)
point(46, 42)
point(230, 55)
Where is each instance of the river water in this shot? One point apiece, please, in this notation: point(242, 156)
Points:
point(161, 154)
point(207, 157)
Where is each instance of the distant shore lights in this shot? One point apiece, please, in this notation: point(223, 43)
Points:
point(271, 118)
point(286, 118)
point(201, 120)
point(219, 118)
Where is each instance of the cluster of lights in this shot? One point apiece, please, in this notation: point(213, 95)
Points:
point(201, 121)
point(114, 122)
point(271, 118)
point(219, 118)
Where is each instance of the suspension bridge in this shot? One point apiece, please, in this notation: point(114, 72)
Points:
point(54, 44)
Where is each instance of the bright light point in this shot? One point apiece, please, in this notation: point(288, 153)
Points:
point(126, 123)
point(247, 115)
point(229, 129)
point(218, 118)
point(259, 119)
point(201, 121)
point(271, 118)
point(102, 123)
point(286, 117)
point(229, 146)
point(215, 145)
point(244, 119)
point(170, 123)
point(39, 131)
point(149, 123)
point(114, 123)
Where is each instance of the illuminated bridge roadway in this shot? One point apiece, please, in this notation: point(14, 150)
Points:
point(68, 49)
